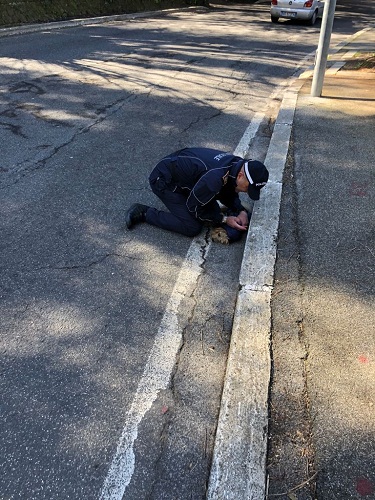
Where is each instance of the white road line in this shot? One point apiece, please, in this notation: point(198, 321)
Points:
point(156, 374)
point(243, 146)
point(162, 358)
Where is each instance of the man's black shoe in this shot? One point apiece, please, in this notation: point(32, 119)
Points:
point(136, 214)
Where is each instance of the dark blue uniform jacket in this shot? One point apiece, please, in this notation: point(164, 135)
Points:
point(204, 175)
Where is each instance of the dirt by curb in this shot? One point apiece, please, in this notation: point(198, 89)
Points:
point(290, 468)
point(361, 62)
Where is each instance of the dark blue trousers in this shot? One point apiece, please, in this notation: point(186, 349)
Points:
point(178, 219)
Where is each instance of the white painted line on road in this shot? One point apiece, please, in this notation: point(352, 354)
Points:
point(242, 148)
point(162, 358)
point(239, 462)
point(157, 372)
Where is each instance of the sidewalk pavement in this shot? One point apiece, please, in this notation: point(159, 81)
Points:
point(309, 329)
point(323, 388)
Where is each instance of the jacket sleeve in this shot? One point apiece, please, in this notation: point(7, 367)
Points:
point(201, 202)
point(231, 199)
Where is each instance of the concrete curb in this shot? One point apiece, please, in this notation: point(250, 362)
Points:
point(239, 461)
point(333, 66)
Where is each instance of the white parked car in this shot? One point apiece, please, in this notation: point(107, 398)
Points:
point(304, 10)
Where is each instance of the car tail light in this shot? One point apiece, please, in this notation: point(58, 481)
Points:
point(308, 3)
point(274, 2)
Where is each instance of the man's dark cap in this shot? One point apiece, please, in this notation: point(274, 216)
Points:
point(257, 175)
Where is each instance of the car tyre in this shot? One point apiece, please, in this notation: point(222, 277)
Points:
point(274, 19)
point(312, 21)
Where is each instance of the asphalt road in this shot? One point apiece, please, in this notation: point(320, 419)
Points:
point(85, 112)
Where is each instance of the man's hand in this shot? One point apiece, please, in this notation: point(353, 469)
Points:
point(239, 222)
point(244, 218)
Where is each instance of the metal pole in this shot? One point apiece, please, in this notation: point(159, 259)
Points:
point(322, 52)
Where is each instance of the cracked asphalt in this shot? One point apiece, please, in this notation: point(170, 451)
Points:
point(85, 113)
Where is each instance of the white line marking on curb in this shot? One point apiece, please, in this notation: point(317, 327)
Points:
point(310, 71)
point(239, 461)
point(90, 21)
point(156, 374)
